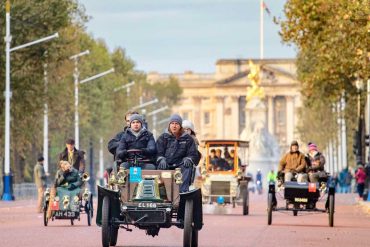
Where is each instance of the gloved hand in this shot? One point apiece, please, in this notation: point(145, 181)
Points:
point(187, 162)
point(72, 187)
point(162, 163)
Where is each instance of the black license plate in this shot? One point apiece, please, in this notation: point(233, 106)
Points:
point(65, 214)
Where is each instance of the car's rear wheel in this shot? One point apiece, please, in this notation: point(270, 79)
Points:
point(88, 213)
point(113, 236)
point(295, 212)
point(105, 224)
point(331, 210)
point(269, 208)
point(188, 222)
point(46, 214)
point(72, 223)
point(91, 206)
point(245, 201)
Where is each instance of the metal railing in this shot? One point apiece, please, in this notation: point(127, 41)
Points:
point(24, 191)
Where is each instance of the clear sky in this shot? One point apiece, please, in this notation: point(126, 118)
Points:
point(172, 36)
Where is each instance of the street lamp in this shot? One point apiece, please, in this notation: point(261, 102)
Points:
point(126, 86)
point(154, 114)
point(7, 193)
point(145, 104)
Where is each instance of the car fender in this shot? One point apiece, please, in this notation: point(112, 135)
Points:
point(196, 196)
point(114, 203)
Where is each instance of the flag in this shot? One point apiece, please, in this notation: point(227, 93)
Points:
point(266, 8)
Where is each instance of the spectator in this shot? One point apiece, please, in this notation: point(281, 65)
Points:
point(360, 179)
point(40, 181)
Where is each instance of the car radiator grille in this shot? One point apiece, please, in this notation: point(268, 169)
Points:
point(220, 188)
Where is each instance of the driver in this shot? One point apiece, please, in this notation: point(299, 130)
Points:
point(67, 176)
point(137, 137)
point(177, 149)
point(293, 163)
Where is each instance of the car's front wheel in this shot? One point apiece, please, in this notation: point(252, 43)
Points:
point(105, 222)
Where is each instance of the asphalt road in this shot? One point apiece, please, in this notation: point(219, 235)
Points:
point(21, 226)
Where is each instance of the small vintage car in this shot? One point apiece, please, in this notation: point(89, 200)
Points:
point(302, 197)
point(148, 200)
point(223, 172)
point(68, 204)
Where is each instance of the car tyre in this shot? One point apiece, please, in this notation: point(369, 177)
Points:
point(46, 214)
point(331, 210)
point(269, 208)
point(188, 222)
point(113, 236)
point(245, 201)
point(105, 224)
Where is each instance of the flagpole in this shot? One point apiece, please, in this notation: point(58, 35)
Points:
point(261, 29)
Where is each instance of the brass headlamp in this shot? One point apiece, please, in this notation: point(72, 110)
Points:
point(178, 176)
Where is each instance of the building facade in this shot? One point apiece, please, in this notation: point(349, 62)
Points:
point(216, 103)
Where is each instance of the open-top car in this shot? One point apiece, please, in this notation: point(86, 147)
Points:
point(148, 200)
point(67, 204)
point(224, 174)
point(302, 197)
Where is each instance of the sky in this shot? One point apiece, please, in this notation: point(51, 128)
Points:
point(173, 36)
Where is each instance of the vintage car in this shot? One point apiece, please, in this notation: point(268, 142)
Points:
point(148, 200)
point(68, 204)
point(303, 197)
point(224, 175)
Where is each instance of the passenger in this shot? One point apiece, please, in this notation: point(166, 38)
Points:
point(75, 157)
point(213, 158)
point(114, 142)
point(221, 164)
point(177, 149)
point(315, 163)
point(293, 163)
point(137, 137)
point(232, 155)
point(67, 176)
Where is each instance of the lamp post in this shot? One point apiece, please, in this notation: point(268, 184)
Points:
point(126, 86)
point(7, 193)
point(360, 153)
point(154, 120)
point(75, 76)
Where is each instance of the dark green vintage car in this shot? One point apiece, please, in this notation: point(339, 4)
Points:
point(68, 204)
point(148, 200)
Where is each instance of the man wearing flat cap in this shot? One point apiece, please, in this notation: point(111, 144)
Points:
point(176, 148)
point(137, 137)
point(293, 163)
point(75, 157)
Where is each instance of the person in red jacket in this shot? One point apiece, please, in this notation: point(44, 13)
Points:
point(360, 179)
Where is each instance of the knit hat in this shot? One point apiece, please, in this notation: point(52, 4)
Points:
point(136, 117)
point(176, 118)
point(312, 146)
point(186, 124)
point(40, 158)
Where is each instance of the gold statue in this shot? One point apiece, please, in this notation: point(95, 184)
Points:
point(254, 77)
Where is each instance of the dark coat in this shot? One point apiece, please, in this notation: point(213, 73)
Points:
point(114, 142)
point(71, 178)
point(144, 141)
point(78, 159)
point(175, 150)
point(310, 160)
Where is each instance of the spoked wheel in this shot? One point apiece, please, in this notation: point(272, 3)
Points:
point(46, 214)
point(233, 199)
point(91, 206)
point(72, 223)
point(331, 210)
point(105, 224)
point(113, 236)
point(295, 212)
point(269, 208)
point(88, 213)
point(188, 222)
point(245, 201)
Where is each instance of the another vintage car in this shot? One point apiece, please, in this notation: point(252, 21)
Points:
point(225, 176)
point(69, 204)
point(148, 200)
point(303, 197)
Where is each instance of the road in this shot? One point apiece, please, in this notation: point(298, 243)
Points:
point(21, 226)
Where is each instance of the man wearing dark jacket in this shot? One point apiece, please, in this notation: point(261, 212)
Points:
point(75, 157)
point(114, 142)
point(177, 149)
point(137, 137)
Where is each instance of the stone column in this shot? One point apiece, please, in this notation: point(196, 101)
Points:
point(220, 112)
point(197, 112)
point(235, 123)
point(290, 118)
point(270, 112)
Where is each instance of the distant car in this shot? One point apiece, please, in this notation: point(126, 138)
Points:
point(225, 176)
point(69, 204)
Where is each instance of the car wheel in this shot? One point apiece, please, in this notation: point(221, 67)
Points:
point(331, 210)
point(72, 223)
point(194, 238)
point(88, 213)
point(245, 201)
point(46, 214)
point(269, 208)
point(113, 236)
point(188, 222)
point(105, 224)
